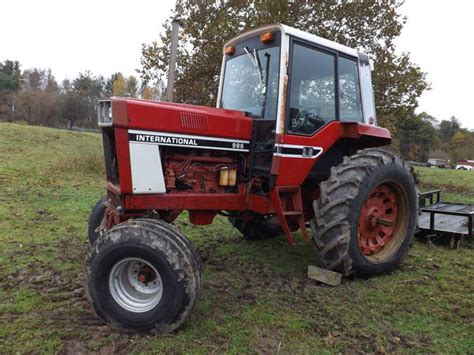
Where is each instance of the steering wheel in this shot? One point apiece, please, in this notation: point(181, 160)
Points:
point(307, 120)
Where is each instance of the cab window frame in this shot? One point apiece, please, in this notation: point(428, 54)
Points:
point(254, 42)
point(359, 91)
point(336, 54)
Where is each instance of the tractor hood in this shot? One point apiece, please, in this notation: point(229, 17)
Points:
point(178, 118)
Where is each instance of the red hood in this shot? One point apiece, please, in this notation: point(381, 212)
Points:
point(180, 118)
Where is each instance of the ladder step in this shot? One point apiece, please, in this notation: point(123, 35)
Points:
point(289, 207)
point(292, 213)
point(288, 190)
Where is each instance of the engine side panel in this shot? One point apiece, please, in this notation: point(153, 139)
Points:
point(181, 119)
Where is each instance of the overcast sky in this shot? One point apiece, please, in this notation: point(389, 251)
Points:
point(105, 36)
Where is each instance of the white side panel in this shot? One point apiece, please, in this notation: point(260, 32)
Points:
point(367, 94)
point(283, 85)
point(147, 173)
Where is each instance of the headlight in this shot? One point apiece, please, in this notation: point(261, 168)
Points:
point(104, 113)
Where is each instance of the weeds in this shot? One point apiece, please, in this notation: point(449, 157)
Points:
point(89, 163)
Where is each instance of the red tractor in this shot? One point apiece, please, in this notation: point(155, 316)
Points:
point(290, 144)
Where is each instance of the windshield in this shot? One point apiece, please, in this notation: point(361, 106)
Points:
point(251, 82)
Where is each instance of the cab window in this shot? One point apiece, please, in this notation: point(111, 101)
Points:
point(312, 101)
point(350, 108)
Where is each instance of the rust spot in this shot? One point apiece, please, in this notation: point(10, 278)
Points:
point(281, 128)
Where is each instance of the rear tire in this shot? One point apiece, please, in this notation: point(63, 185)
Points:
point(366, 215)
point(95, 219)
point(143, 276)
point(254, 229)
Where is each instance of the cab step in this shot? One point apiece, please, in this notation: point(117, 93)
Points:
point(289, 209)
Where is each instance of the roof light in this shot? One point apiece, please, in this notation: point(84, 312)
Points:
point(266, 37)
point(229, 50)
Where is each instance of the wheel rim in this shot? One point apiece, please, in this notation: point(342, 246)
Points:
point(135, 285)
point(383, 222)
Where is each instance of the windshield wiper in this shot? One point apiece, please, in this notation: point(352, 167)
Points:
point(267, 72)
point(263, 80)
point(256, 62)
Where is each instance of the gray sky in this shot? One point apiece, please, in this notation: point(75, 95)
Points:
point(105, 36)
point(439, 35)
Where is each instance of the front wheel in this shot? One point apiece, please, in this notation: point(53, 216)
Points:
point(143, 275)
point(366, 215)
point(95, 220)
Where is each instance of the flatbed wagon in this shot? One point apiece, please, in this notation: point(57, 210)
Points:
point(445, 217)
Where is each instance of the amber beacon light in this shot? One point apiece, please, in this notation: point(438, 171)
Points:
point(229, 50)
point(266, 37)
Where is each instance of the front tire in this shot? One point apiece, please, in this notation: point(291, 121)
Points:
point(366, 215)
point(95, 219)
point(143, 276)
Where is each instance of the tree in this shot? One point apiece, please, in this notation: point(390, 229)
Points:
point(108, 88)
point(74, 108)
point(131, 86)
point(10, 76)
point(33, 79)
point(371, 25)
point(458, 140)
point(118, 87)
point(39, 80)
point(416, 135)
point(447, 128)
point(38, 107)
point(91, 88)
point(10, 82)
point(66, 86)
point(51, 84)
point(147, 93)
point(88, 85)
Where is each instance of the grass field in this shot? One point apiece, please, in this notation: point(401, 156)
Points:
point(257, 297)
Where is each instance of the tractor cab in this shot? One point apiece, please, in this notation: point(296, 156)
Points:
point(298, 88)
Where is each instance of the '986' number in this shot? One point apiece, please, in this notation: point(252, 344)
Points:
point(238, 145)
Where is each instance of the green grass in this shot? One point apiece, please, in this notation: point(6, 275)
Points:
point(257, 297)
point(456, 185)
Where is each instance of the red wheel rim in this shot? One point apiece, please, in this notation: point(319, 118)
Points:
point(378, 220)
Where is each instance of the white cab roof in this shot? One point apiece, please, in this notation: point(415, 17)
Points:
point(287, 30)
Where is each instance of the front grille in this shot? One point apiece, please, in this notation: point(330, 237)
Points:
point(110, 155)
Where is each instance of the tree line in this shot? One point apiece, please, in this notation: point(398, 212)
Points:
point(34, 96)
point(419, 137)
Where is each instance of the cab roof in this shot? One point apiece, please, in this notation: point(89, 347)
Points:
point(288, 30)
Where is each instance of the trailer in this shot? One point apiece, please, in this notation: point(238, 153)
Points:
point(444, 217)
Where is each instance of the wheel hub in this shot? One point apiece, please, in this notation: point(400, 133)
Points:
point(377, 220)
point(135, 285)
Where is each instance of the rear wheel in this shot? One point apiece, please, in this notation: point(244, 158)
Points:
point(257, 228)
point(366, 215)
point(143, 275)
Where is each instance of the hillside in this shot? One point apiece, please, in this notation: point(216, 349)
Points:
point(257, 297)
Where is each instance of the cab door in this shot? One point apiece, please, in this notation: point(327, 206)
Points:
point(322, 86)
